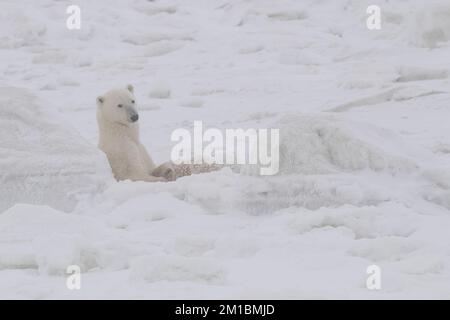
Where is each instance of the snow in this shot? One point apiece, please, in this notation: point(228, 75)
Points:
point(364, 150)
point(44, 162)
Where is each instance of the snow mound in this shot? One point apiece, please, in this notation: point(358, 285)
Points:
point(64, 168)
point(20, 28)
point(224, 191)
point(175, 268)
point(313, 144)
point(27, 232)
point(160, 90)
point(368, 222)
point(408, 74)
point(431, 26)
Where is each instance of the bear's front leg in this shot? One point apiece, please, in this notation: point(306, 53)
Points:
point(166, 170)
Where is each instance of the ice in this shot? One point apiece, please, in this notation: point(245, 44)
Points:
point(407, 74)
point(364, 150)
point(43, 161)
point(160, 90)
point(19, 29)
point(169, 268)
point(434, 25)
point(320, 144)
point(27, 232)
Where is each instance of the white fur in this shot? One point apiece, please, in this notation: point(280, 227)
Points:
point(119, 139)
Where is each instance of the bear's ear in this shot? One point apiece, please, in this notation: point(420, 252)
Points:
point(130, 88)
point(100, 100)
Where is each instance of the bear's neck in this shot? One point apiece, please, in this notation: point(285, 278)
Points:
point(118, 131)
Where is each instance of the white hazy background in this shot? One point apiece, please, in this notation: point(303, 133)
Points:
point(365, 149)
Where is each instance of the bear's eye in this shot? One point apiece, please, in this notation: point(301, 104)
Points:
point(132, 101)
point(119, 105)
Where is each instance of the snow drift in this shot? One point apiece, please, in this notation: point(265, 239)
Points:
point(42, 160)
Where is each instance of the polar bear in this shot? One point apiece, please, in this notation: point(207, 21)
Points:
point(117, 118)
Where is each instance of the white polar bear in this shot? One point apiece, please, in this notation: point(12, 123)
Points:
point(117, 118)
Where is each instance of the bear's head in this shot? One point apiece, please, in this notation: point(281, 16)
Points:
point(118, 106)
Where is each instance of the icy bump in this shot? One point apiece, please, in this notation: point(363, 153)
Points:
point(192, 103)
point(66, 250)
point(250, 48)
point(384, 248)
point(50, 57)
point(273, 13)
point(287, 15)
point(136, 212)
point(65, 167)
point(222, 192)
point(193, 246)
point(162, 47)
point(160, 90)
point(431, 26)
point(49, 240)
point(407, 74)
point(20, 28)
point(153, 9)
point(367, 222)
point(175, 268)
point(145, 38)
point(310, 192)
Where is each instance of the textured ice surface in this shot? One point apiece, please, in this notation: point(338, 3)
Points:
point(365, 149)
point(42, 160)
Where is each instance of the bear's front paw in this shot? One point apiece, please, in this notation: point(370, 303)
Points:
point(166, 171)
point(169, 174)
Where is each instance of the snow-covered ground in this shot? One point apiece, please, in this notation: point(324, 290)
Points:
point(365, 149)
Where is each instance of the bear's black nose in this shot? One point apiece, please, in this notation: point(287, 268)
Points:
point(134, 117)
